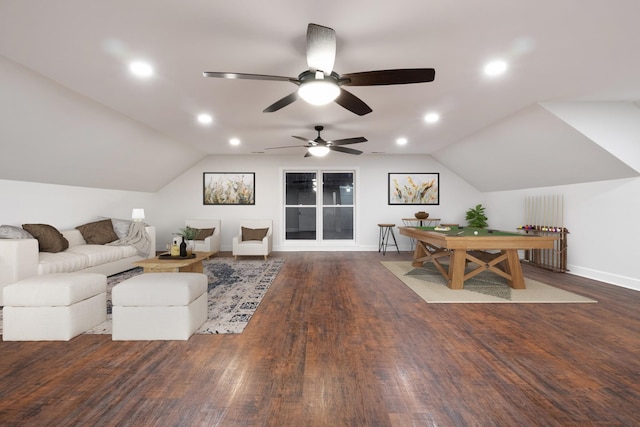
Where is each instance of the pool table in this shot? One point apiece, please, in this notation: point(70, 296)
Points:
point(468, 244)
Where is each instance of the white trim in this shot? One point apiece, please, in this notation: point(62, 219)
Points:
point(603, 276)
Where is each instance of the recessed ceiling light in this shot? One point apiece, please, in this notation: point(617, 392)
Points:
point(432, 117)
point(141, 69)
point(234, 141)
point(495, 68)
point(205, 118)
point(401, 141)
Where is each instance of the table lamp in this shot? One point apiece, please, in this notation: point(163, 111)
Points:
point(137, 214)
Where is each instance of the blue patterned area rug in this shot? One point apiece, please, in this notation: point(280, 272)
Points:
point(235, 291)
point(236, 288)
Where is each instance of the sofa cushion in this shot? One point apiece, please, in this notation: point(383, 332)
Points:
point(98, 232)
point(12, 232)
point(203, 233)
point(254, 233)
point(61, 262)
point(49, 238)
point(102, 254)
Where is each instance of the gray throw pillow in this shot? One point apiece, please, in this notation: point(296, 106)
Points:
point(13, 232)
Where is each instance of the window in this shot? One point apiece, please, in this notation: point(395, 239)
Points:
point(319, 209)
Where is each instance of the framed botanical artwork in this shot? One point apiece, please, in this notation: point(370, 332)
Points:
point(414, 188)
point(229, 188)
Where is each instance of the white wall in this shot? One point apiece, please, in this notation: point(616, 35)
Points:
point(66, 207)
point(601, 216)
point(602, 219)
point(182, 198)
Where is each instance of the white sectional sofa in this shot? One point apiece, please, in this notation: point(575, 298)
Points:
point(20, 258)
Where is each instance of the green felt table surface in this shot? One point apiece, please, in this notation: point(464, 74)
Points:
point(469, 231)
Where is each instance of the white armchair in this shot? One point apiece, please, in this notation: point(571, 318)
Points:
point(211, 243)
point(249, 245)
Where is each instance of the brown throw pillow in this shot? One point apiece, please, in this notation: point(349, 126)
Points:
point(49, 239)
point(203, 233)
point(98, 232)
point(254, 233)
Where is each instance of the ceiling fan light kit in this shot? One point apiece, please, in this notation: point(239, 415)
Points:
point(319, 150)
point(316, 89)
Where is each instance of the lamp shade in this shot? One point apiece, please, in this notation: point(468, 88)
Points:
point(137, 214)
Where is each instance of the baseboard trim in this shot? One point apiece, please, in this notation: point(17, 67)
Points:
point(603, 276)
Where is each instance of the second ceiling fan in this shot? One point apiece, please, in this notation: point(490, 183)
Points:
point(320, 85)
point(319, 147)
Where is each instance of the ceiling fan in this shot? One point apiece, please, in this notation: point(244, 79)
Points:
point(320, 85)
point(319, 147)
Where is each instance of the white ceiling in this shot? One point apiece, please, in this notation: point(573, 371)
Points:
point(559, 51)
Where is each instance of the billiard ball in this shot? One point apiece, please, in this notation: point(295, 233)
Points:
point(475, 232)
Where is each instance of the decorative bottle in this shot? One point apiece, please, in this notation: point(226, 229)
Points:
point(175, 249)
point(183, 248)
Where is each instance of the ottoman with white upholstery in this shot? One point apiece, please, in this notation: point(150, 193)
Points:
point(54, 307)
point(159, 306)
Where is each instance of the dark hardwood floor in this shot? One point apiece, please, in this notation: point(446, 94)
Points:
point(339, 341)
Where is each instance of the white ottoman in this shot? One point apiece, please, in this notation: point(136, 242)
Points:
point(54, 307)
point(159, 306)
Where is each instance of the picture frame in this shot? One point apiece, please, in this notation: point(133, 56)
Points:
point(228, 188)
point(414, 188)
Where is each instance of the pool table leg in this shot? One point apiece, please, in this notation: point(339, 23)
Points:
point(514, 269)
point(456, 269)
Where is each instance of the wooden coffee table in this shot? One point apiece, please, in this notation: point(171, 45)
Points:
point(174, 265)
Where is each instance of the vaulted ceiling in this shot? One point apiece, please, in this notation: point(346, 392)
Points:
point(565, 111)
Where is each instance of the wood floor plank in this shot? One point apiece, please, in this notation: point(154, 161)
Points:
point(339, 341)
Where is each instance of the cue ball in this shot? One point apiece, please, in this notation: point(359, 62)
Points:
point(475, 232)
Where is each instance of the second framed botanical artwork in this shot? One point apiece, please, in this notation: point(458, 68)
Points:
point(414, 188)
point(229, 188)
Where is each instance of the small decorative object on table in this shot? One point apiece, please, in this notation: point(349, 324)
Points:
point(183, 248)
point(421, 215)
point(189, 234)
point(175, 249)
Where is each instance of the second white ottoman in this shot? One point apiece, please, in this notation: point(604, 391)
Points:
point(159, 306)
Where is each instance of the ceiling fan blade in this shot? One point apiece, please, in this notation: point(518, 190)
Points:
point(352, 103)
point(348, 141)
point(307, 154)
point(321, 48)
point(389, 77)
point(224, 75)
point(286, 146)
point(345, 150)
point(281, 103)
point(302, 139)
